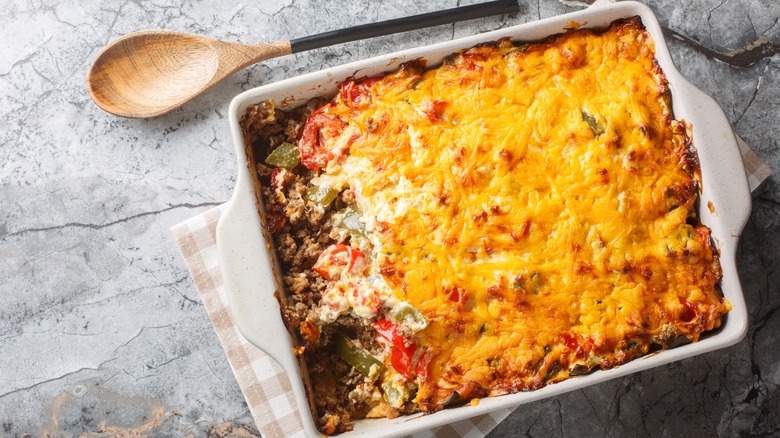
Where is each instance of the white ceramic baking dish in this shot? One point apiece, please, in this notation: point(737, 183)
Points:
point(251, 271)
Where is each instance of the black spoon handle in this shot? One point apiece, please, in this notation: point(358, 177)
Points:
point(403, 24)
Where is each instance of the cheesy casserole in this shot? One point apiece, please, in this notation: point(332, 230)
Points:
point(516, 216)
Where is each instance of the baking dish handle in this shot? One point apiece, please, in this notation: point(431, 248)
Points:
point(711, 128)
point(251, 286)
point(726, 207)
point(256, 313)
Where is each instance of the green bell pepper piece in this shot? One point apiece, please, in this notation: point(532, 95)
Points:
point(395, 396)
point(407, 315)
point(286, 156)
point(593, 122)
point(359, 358)
point(322, 195)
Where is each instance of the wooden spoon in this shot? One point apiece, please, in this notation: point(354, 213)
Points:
point(149, 73)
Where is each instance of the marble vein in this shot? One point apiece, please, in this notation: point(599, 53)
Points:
point(746, 56)
point(112, 223)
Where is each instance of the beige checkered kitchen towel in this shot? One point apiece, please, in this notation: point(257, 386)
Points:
point(756, 169)
point(265, 386)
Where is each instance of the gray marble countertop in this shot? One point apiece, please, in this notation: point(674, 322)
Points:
point(101, 330)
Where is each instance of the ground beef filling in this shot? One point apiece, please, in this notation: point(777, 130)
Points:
point(301, 230)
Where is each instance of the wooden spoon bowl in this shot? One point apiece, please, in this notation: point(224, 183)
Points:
point(148, 73)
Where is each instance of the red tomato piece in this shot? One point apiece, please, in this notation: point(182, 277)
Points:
point(339, 258)
point(401, 361)
point(433, 109)
point(689, 313)
point(390, 331)
point(571, 341)
point(421, 367)
point(319, 125)
point(355, 94)
point(276, 217)
point(580, 345)
point(278, 179)
point(458, 295)
point(401, 350)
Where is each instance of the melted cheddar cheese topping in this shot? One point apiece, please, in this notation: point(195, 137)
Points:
point(534, 202)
